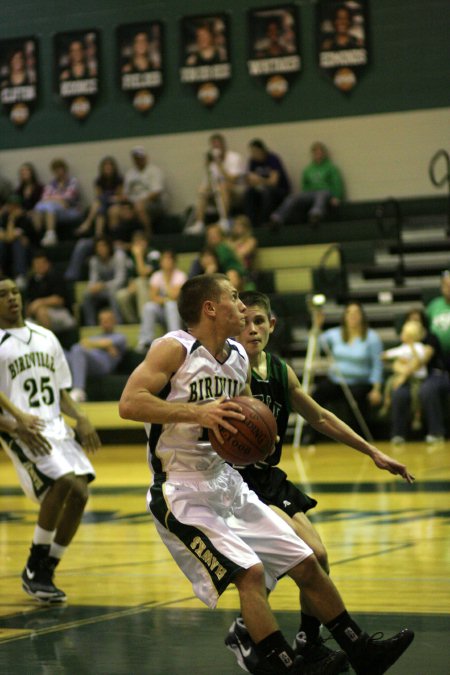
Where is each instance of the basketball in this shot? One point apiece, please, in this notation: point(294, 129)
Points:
point(255, 435)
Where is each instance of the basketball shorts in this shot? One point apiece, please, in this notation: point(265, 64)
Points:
point(272, 486)
point(215, 528)
point(38, 473)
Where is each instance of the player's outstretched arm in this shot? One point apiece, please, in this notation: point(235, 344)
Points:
point(140, 400)
point(328, 424)
point(88, 436)
point(27, 427)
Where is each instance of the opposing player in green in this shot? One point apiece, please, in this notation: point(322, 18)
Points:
point(274, 382)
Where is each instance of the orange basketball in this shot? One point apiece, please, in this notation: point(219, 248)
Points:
point(255, 436)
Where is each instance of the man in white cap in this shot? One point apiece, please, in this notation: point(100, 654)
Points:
point(144, 187)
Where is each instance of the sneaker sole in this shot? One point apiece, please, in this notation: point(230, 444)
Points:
point(238, 654)
point(409, 637)
point(46, 598)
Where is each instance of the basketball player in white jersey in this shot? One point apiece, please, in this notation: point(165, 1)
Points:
point(52, 467)
point(215, 527)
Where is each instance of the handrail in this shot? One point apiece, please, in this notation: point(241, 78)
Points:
point(444, 179)
point(381, 214)
point(343, 277)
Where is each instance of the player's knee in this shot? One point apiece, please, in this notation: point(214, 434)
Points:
point(79, 492)
point(322, 557)
point(308, 572)
point(251, 579)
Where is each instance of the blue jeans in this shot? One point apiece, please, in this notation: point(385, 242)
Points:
point(292, 209)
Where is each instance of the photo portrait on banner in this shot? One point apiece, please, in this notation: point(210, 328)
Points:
point(274, 53)
point(342, 40)
point(18, 78)
point(205, 55)
point(76, 70)
point(140, 51)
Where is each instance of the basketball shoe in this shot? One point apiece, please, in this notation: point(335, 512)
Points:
point(373, 656)
point(315, 652)
point(240, 643)
point(37, 576)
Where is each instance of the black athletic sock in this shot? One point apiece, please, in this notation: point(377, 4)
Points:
point(345, 631)
point(311, 627)
point(277, 651)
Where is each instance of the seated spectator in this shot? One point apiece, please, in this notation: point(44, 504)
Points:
point(144, 187)
point(5, 190)
point(433, 390)
point(165, 285)
point(206, 263)
point(223, 186)
point(15, 230)
point(438, 313)
point(143, 261)
point(48, 299)
point(107, 273)
point(229, 262)
point(243, 242)
point(355, 350)
point(97, 355)
point(108, 189)
point(125, 223)
point(408, 370)
point(29, 188)
point(321, 187)
point(268, 183)
point(60, 203)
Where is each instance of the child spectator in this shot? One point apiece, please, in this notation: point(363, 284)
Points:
point(409, 369)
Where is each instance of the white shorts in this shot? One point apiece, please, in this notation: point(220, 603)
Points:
point(38, 473)
point(216, 528)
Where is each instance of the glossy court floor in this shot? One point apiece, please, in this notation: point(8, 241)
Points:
point(131, 612)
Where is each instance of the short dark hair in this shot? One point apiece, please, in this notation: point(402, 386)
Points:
point(195, 292)
point(252, 298)
point(40, 253)
point(258, 143)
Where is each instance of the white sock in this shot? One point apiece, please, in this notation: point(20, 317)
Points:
point(43, 537)
point(57, 551)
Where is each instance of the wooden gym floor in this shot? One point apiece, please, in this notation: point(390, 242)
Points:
point(131, 612)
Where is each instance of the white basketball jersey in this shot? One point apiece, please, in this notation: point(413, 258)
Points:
point(180, 447)
point(33, 369)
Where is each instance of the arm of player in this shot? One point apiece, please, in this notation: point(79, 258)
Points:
point(88, 436)
point(327, 423)
point(26, 427)
point(140, 401)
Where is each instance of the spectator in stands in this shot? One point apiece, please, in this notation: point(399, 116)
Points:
point(97, 355)
point(229, 262)
point(120, 231)
point(408, 364)
point(107, 273)
point(144, 187)
point(267, 181)
point(60, 203)
point(438, 313)
point(433, 391)
point(143, 261)
point(48, 298)
point(5, 190)
point(29, 188)
point(15, 228)
point(108, 188)
point(223, 185)
point(206, 263)
point(165, 285)
point(243, 242)
point(355, 350)
point(322, 187)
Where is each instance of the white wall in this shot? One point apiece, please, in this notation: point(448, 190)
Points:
point(380, 155)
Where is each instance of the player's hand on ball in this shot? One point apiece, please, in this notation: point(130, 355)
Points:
point(217, 413)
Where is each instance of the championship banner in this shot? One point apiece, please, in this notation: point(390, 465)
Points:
point(140, 49)
point(342, 39)
point(274, 54)
point(76, 70)
point(18, 78)
point(205, 55)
